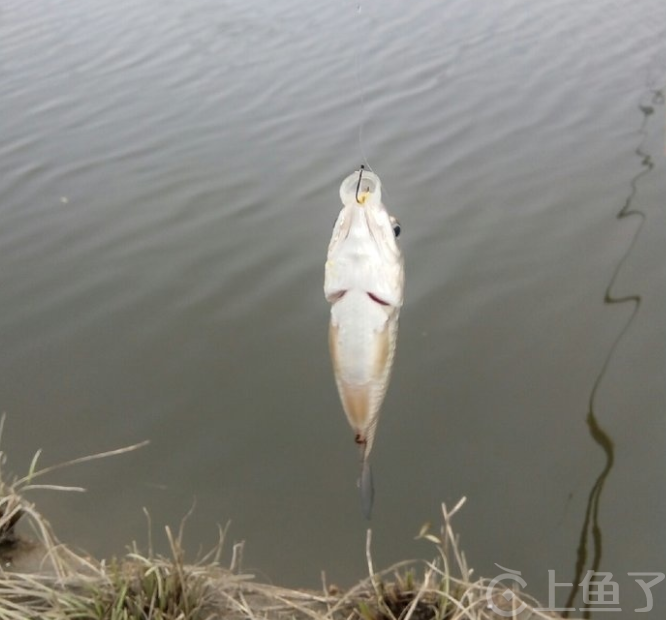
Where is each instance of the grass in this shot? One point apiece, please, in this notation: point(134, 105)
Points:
point(60, 584)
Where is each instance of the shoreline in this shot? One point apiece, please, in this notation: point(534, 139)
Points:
point(44, 579)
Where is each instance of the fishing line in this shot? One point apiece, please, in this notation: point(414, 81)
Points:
point(360, 84)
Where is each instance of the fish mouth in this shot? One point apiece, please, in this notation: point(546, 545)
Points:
point(361, 187)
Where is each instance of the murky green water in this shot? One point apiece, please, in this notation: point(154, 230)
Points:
point(169, 178)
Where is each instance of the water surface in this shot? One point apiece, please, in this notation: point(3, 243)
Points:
point(169, 178)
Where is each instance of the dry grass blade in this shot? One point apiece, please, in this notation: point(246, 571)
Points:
point(83, 459)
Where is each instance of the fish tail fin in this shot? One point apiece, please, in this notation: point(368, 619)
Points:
point(367, 489)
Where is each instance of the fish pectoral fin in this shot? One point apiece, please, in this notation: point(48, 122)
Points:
point(378, 300)
point(335, 296)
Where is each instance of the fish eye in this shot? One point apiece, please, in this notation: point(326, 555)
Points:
point(396, 227)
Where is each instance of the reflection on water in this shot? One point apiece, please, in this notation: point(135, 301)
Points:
point(591, 526)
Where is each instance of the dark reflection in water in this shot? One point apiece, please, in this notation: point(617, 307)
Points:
point(591, 527)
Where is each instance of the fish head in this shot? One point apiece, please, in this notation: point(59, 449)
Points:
point(363, 253)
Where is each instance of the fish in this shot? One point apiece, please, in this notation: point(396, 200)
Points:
point(364, 283)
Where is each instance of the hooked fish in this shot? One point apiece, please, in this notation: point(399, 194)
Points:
point(364, 282)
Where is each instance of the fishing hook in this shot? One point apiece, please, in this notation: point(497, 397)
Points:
point(358, 185)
